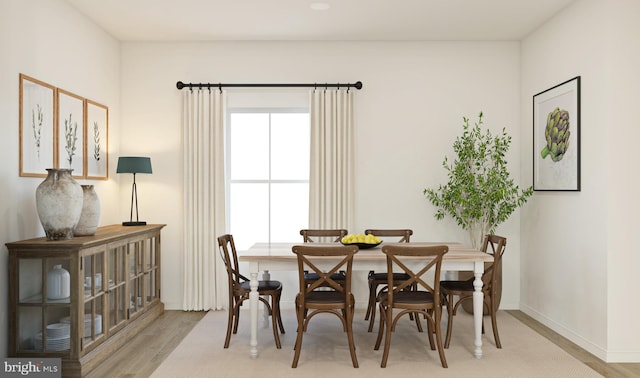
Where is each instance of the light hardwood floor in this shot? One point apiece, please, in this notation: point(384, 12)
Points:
point(605, 369)
point(150, 347)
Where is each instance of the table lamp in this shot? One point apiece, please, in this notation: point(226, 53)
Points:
point(134, 164)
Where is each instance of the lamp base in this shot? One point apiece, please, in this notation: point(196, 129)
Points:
point(141, 223)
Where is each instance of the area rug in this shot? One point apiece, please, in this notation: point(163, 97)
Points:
point(325, 352)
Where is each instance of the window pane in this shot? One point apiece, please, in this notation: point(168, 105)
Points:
point(289, 211)
point(290, 146)
point(249, 216)
point(249, 146)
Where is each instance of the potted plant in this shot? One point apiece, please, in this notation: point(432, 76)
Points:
point(480, 193)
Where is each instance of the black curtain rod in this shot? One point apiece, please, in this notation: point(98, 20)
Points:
point(180, 85)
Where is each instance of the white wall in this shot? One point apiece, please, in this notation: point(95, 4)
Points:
point(52, 42)
point(624, 181)
point(408, 115)
point(578, 252)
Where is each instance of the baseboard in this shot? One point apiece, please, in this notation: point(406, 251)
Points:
point(565, 332)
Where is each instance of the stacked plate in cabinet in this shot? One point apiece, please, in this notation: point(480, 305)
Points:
point(87, 324)
point(58, 337)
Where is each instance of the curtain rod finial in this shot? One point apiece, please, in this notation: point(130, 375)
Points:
point(179, 85)
point(358, 85)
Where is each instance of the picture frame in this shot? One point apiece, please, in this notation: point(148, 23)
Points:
point(37, 138)
point(556, 137)
point(97, 141)
point(71, 146)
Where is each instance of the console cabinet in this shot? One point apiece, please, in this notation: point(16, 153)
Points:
point(81, 299)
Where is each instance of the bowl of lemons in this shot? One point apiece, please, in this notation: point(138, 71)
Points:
point(361, 240)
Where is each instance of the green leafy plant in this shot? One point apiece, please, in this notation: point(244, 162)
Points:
point(480, 193)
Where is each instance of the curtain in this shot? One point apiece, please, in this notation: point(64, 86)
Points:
point(205, 277)
point(331, 175)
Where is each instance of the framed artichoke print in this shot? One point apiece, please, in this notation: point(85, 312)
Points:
point(37, 128)
point(96, 140)
point(556, 138)
point(70, 138)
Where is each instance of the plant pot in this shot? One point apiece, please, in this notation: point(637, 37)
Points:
point(90, 215)
point(59, 203)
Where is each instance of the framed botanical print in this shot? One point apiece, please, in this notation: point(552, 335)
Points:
point(96, 135)
point(556, 138)
point(37, 127)
point(71, 148)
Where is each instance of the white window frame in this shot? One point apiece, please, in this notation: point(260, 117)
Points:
point(229, 181)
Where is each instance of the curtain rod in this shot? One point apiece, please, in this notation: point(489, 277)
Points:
point(180, 85)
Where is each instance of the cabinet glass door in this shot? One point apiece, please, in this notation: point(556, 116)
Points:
point(95, 286)
point(152, 270)
point(136, 276)
point(118, 302)
point(44, 303)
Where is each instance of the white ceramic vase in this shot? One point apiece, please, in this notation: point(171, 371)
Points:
point(59, 203)
point(90, 215)
point(58, 283)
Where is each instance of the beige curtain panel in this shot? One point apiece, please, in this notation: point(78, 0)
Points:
point(203, 114)
point(330, 181)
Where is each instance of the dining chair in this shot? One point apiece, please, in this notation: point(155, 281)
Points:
point(239, 289)
point(311, 301)
point(323, 235)
point(375, 280)
point(415, 261)
point(464, 288)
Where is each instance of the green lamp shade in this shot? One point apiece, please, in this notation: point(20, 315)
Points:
point(134, 164)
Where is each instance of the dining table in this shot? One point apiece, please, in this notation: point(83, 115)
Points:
point(268, 257)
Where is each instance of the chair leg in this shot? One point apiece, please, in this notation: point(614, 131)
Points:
point(236, 318)
point(372, 319)
point(430, 329)
point(387, 338)
point(494, 325)
point(296, 355)
point(276, 305)
point(450, 314)
point(437, 317)
point(274, 321)
point(371, 306)
point(380, 328)
point(229, 322)
point(352, 346)
point(417, 320)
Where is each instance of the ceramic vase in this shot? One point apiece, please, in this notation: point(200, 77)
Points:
point(90, 215)
point(58, 283)
point(59, 203)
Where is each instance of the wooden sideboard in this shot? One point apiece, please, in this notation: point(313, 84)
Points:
point(113, 292)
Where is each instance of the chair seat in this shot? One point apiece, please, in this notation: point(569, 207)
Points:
point(325, 296)
point(383, 276)
point(408, 297)
point(457, 286)
point(316, 276)
point(262, 285)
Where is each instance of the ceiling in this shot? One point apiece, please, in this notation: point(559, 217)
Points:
point(294, 20)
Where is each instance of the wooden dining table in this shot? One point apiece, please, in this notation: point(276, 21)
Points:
point(268, 257)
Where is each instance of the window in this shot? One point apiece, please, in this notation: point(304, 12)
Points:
point(267, 174)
